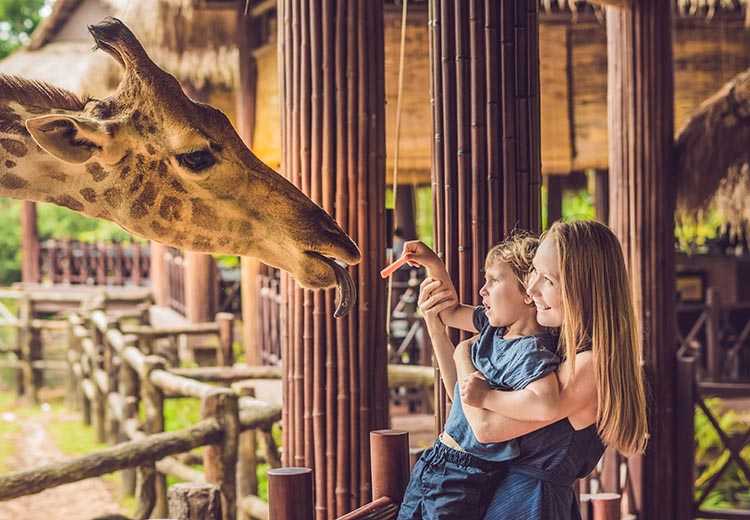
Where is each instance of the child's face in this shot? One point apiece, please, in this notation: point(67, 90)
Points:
point(544, 285)
point(503, 299)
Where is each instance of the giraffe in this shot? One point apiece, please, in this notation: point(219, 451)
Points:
point(165, 168)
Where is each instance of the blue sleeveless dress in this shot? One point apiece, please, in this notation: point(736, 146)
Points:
point(539, 483)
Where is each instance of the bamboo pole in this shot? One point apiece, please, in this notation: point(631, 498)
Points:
point(290, 494)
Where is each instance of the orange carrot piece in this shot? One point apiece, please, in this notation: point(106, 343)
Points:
point(388, 271)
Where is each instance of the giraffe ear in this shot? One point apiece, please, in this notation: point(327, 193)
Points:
point(69, 138)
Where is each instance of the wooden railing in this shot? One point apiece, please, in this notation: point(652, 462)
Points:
point(110, 263)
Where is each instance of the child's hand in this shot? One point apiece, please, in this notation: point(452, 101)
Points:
point(433, 300)
point(474, 389)
point(421, 255)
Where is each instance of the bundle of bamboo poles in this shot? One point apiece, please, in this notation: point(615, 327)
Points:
point(331, 69)
point(486, 166)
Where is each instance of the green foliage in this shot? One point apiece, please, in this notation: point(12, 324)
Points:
point(693, 233)
point(10, 241)
point(577, 205)
point(733, 489)
point(18, 19)
point(61, 223)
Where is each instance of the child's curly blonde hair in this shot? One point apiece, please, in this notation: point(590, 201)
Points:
point(518, 252)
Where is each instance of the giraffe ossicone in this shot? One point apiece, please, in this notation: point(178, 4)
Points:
point(164, 167)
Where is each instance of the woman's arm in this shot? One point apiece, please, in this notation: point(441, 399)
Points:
point(540, 400)
point(576, 394)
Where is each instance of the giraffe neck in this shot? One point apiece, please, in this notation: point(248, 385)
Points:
point(29, 173)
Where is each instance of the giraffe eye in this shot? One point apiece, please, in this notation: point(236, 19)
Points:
point(196, 161)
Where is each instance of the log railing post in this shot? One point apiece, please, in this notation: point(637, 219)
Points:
point(26, 373)
point(247, 463)
point(225, 354)
point(713, 322)
point(73, 356)
point(195, 502)
point(290, 494)
point(153, 399)
point(220, 460)
point(389, 453)
point(129, 389)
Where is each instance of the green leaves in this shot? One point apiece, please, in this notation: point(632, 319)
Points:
point(18, 19)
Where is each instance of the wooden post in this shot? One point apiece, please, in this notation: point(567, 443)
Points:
point(194, 502)
point(686, 417)
point(290, 494)
point(26, 340)
point(250, 267)
point(199, 288)
point(220, 460)
point(601, 195)
point(405, 215)
point(73, 356)
point(333, 140)
point(486, 163)
point(389, 452)
point(129, 388)
point(642, 201)
point(225, 354)
point(159, 275)
point(29, 244)
point(713, 323)
point(153, 399)
point(247, 463)
point(606, 506)
point(554, 197)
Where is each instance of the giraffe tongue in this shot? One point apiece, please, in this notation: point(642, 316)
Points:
point(346, 295)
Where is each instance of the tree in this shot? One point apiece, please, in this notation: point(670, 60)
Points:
point(18, 19)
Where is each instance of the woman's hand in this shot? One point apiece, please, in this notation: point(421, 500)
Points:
point(432, 300)
point(474, 389)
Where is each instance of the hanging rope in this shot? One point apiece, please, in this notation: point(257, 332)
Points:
point(397, 138)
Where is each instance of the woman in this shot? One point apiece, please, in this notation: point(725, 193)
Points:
point(580, 285)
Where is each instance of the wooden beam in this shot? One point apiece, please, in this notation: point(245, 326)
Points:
point(642, 201)
point(612, 3)
point(29, 243)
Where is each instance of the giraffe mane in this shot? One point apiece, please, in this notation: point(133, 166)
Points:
point(38, 93)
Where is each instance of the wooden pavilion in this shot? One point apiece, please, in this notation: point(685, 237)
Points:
point(498, 97)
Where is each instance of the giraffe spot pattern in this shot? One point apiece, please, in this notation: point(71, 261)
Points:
point(13, 147)
point(177, 186)
point(159, 229)
point(162, 169)
point(202, 243)
point(204, 216)
point(125, 172)
point(144, 201)
point(11, 123)
point(137, 183)
point(13, 182)
point(169, 209)
point(150, 149)
point(113, 196)
point(97, 172)
point(88, 194)
point(67, 201)
point(56, 176)
point(10, 164)
point(240, 227)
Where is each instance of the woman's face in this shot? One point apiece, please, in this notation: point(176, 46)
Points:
point(544, 285)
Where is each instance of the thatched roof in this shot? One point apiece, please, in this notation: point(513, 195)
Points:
point(713, 155)
point(197, 46)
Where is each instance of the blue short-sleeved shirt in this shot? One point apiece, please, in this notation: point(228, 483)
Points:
point(507, 364)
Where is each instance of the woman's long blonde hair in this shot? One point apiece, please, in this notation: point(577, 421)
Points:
point(598, 310)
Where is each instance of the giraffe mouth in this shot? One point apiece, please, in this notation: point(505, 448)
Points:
point(346, 293)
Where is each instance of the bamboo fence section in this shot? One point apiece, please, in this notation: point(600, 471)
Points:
point(332, 102)
point(486, 169)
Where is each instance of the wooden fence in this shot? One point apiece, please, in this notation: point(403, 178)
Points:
point(102, 263)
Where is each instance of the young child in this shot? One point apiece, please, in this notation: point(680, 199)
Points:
point(456, 477)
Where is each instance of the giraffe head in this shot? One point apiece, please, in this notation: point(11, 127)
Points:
point(174, 170)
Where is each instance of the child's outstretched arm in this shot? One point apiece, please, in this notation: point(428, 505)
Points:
point(539, 401)
point(433, 300)
point(458, 316)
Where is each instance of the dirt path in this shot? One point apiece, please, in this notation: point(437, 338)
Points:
point(76, 501)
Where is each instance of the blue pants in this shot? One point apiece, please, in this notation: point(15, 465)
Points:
point(448, 484)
